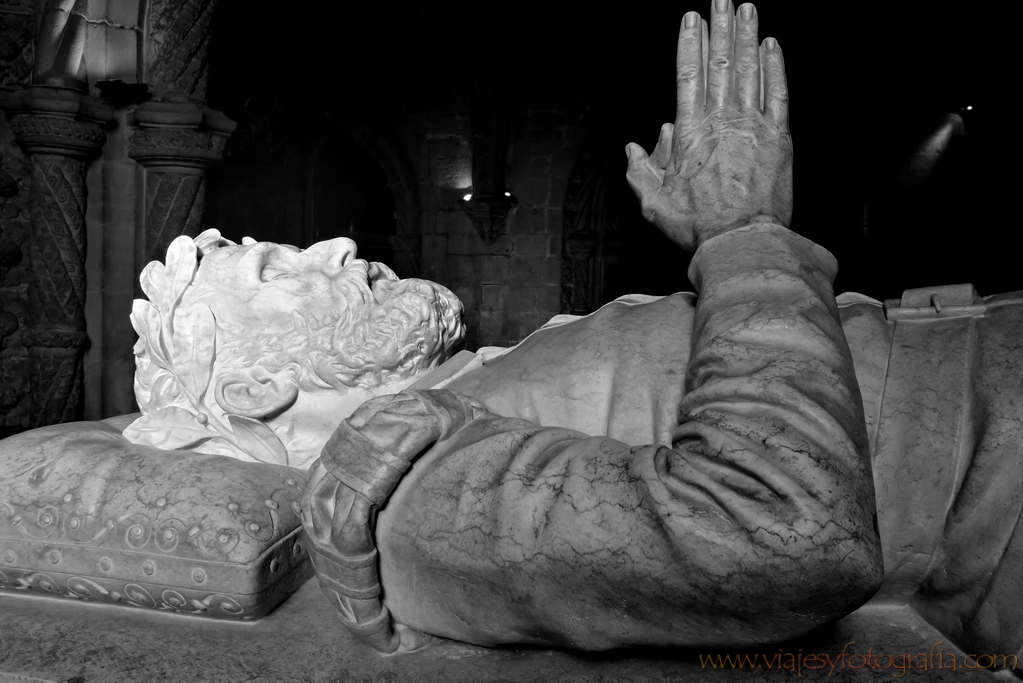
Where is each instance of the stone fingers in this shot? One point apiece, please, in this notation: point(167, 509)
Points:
point(690, 93)
point(643, 176)
point(721, 55)
point(747, 60)
point(776, 90)
point(662, 151)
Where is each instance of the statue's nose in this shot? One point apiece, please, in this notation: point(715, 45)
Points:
point(336, 253)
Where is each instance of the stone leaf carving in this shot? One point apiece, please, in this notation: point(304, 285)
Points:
point(176, 354)
point(170, 428)
point(258, 440)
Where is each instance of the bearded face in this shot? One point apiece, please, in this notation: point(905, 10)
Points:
point(257, 350)
point(333, 318)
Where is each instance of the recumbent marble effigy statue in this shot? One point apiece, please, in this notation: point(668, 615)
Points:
point(683, 470)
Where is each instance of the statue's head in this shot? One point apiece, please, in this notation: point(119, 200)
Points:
point(260, 349)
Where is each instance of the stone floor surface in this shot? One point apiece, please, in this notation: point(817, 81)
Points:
point(50, 640)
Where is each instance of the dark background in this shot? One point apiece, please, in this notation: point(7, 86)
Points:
point(869, 83)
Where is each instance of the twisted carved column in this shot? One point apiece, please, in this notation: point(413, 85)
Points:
point(60, 130)
point(176, 142)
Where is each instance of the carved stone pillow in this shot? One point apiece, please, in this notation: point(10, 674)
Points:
point(85, 514)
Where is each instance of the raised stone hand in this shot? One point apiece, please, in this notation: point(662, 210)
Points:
point(728, 158)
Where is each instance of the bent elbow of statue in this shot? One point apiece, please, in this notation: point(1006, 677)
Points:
point(758, 560)
point(776, 593)
point(798, 587)
point(828, 582)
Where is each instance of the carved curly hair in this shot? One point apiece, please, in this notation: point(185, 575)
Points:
point(388, 331)
point(392, 331)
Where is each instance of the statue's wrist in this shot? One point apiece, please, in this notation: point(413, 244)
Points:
point(710, 230)
point(764, 245)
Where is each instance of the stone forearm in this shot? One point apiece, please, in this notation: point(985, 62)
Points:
point(756, 526)
point(769, 473)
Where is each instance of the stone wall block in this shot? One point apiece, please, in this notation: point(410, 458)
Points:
point(521, 300)
point(495, 269)
point(532, 246)
point(532, 191)
point(469, 293)
point(492, 328)
point(495, 298)
point(531, 220)
point(521, 325)
point(453, 222)
point(472, 245)
point(548, 300)
point(534, 271)
point(461, 270)
point(434, 249)
point(536, 166)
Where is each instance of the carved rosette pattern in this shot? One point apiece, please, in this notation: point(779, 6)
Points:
point(168, 143)
point(60, 131)
point(178, 45)
point(162, 562)
point(56, 339)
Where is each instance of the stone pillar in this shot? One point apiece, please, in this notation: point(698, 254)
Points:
point(175, 142)
point(60, 130)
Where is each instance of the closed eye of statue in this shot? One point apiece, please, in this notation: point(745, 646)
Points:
point(271, 273)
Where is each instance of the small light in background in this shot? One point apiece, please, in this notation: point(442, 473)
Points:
point(923, 161)
point(969, 107)
point(466, 197)
point(507, 194)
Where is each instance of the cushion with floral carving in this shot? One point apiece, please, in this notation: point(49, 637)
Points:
point(84, 514)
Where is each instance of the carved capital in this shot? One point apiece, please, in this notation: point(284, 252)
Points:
point(47, 120)
point(178, 148)
point(50, 134)
point(178, 137)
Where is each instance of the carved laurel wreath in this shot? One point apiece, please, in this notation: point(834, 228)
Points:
point(174, 367)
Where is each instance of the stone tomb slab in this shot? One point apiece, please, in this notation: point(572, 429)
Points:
point(302, 641)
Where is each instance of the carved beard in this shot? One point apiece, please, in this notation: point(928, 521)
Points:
point(408, 330)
